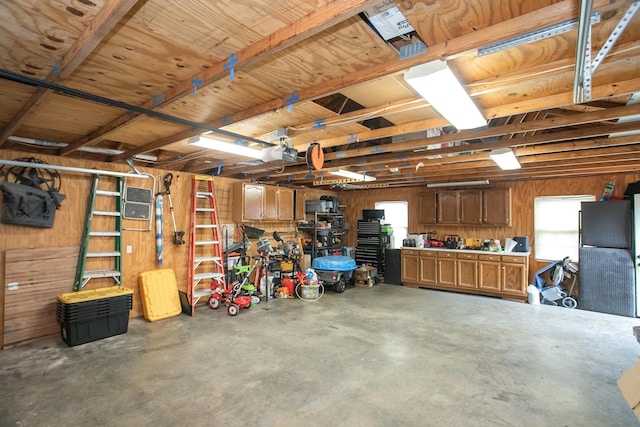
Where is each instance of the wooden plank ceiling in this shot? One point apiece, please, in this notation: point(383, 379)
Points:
point(173, 59)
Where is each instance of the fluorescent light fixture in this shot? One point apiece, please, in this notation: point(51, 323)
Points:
point(227, 147)
point(435, 82)
point(457, 184)
point(352, 175)
point(505, 158)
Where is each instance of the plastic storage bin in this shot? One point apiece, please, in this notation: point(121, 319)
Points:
point(92, 315)
point(159, 294)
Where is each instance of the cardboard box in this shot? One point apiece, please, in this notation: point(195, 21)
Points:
point(629, 384)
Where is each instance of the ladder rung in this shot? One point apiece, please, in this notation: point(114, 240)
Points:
point(206, 225)
point(104, 233)
point(107, 193)
point(208, 275)
point(208, 258)
point(205, 210)
point(107, 213)
point(199, 293)
point(204, 194)
point(102, 254)
point(207, 242)
point(93, 274)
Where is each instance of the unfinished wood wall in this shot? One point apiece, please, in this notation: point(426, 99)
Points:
point(523, 195)
point(70, 219)
point(69, 223)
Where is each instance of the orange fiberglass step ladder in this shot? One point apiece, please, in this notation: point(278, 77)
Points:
point(206, 264)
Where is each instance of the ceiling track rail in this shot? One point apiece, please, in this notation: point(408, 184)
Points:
point(31, 81)
point(585, 66)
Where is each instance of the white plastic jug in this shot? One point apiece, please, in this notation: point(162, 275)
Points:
point(534, 295)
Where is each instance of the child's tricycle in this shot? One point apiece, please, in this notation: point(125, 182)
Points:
point(334, 270)
point(231, 298)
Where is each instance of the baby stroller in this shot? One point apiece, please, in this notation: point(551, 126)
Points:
point(553, 293)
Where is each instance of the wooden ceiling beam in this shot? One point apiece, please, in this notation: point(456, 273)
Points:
point(348, 157)
point(529, 148)
point(602, 91)
point(95, 31)
point(546, 16)
point(317, 21)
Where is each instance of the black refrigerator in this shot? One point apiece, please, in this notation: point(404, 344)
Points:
point(607, 268)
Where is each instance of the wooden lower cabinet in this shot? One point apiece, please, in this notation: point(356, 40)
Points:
point(479, 273)
point(514, 275)
point(410, 267)
point(447, 269)
point(467, 269)
point(489, 272)
point(428, 268)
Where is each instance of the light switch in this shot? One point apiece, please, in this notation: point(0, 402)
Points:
point(129, 249)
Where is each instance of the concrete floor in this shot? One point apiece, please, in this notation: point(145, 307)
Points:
point(385, 356)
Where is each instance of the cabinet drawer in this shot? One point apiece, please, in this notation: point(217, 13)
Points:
point(467, 256)
point(428, 254)
point(410, 252)
point(484, 257)
point(514, 259)
point(446, 255)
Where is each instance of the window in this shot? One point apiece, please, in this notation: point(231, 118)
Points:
point(556, 226)
point(396, 214)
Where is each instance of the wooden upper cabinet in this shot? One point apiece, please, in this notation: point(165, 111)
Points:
point(471, 207)
point(256, 202)
point(448, 207)
point(248, 202)
point(496, 206)
point(270, 203)
point(300, 198)
point(285, 204)
point(427, 208)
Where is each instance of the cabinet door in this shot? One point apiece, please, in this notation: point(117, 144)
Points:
point(253, 196)
point(448, 207)
point(489, 275)
point(514, 279)
point(471, 207)
point(285, 204)
point(409, 268)
point(447, 271)
point(467, 273)
point(427, 208)
point(428, 269)
point(299, 205)
point(270, 203)
point(496, 206)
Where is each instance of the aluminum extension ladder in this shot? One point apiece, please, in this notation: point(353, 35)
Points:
point(102, 236)
point(206, 264)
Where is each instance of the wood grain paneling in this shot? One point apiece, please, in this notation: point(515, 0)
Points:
point(523, 195)
point(33, 279)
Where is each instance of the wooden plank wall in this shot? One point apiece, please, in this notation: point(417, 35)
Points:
point(70, 218)
point(33, 279)
point(523, 195)
point(69, 223)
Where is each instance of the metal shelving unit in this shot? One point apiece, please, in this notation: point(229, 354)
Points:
point(327, 240)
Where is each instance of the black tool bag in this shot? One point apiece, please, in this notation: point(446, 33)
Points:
point(29, 206)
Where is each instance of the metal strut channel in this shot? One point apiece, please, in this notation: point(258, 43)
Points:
point(585, 66)
point(31, 81)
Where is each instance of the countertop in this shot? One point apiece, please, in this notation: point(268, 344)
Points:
point(470, 251)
